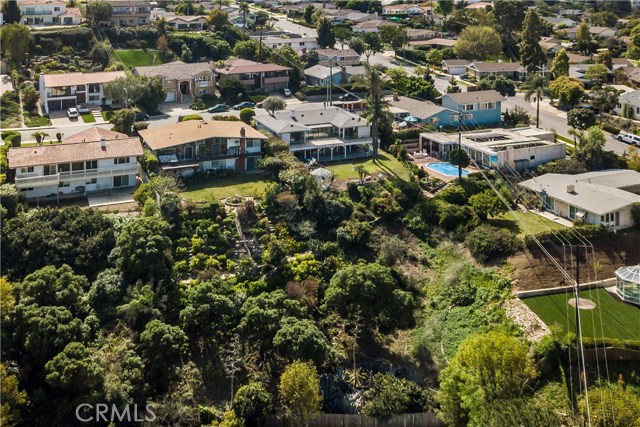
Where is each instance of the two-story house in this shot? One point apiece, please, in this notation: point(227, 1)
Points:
point(255, 75)
point(339, 56)
point(184, 22)
point(327, 134)
point(295, 43)
point(405, 10)
point(61, 91)
point(480, 108)
point(93, 161)
point(37, 13)
point(129, 13)
point(184, 82)
point(318, 75)
point(194, 145)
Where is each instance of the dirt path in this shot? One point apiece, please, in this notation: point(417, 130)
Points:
point(533, 270)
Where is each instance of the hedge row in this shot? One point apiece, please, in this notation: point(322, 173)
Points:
point(611, 342)
point(11, 138)
point(589, 231)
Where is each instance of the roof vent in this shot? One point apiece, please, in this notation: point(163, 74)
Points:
point(103, 144)
point(571, 188)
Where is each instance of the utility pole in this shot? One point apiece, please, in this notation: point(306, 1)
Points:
point(260, 45)
point(459, 147)
point(582, 368)
point(330, 81)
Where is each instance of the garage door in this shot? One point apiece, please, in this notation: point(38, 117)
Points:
point(54, 105)
point(171, 97)
point(68, 103)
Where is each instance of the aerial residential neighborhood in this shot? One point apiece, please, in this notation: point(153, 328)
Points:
point(319, 213)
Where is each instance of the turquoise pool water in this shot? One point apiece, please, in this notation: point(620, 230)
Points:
point(446, 169)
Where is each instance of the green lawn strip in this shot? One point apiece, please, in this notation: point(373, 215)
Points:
point(138, 57)
point(619, 320)
point(522, 223)
point(384, 163)
point(106, 115)
point(88, 118)
point(244, 185)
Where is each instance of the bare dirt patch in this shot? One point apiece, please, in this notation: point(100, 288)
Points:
point(533, 270)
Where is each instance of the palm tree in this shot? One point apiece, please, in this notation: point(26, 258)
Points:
point(361, 171)
point(537, 86)
point(244, 9)
point(39, 136)
point(377, 108)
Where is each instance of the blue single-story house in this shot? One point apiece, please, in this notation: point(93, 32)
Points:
point(484, 106)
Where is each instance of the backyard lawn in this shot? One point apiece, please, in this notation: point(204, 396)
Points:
point(384, 163)
point(138, 57)
point(88, 118)
point(522, 223)
point(619, 320)
point(244, 185)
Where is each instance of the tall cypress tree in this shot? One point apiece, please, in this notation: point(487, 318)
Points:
point(11, 12)
point(326, 38)
point(531, 54)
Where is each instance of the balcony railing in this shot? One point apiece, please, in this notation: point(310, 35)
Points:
point(73, 175)
point(38, 12)
point(271, 80)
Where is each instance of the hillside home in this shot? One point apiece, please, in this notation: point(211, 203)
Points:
point(596, 32)
point(455, 67)
point(601, 198)
point(558, 23)
point(91, 161)
point(414, 34)
point(339, 16)
point(435, 43)
point(255, 75)
point(628, 105)
point(184, 82)
point(61, 91)
point(318, 75)
point(295, 43)
point(326, 134)
point(518, 149)
point(183, 22)
point(372, 26)
point(405, 10)
point(130, 13)
point(36, 13)
point(339, 56)
point(194, 145)
point(479, 108)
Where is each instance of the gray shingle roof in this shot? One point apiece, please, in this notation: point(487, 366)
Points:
point(477, 96)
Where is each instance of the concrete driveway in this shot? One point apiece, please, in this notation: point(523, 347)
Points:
point(59, 118)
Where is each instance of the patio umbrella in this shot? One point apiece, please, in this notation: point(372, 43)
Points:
point(411, 119)
point(323, 176)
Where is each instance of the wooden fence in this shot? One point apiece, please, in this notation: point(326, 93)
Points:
point(422, 419)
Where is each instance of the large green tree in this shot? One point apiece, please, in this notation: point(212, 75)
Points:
point(531, 54)
point(11, 12)
point(583, 37)
point(392, 396)
point(300, 339)
point(98, 10)
point(394, 36)
point(371, 44)
point(536, 88)
point(252, 403)
point(486, 368)
point(326, 38)
point(123, 120)
point(569, 91)
point(73, 371)
point(377, 107)
point(15, 41)
point(480, 43)
point(163, 348)
point(560, 66)
point(444, 7)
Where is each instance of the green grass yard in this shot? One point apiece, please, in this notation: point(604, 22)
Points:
point(244, 185)
point(138, 57)
point(88, 118)
point(620, 320)
point(522, 223)
point(384, 163)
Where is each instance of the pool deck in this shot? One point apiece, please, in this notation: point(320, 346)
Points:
point(423, 162)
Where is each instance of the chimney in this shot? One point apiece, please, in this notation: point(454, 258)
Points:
point(571, 188)
point(243, 132)
point(103, 143)
point(343, 76)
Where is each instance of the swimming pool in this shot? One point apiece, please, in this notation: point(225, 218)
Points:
point(446, 169)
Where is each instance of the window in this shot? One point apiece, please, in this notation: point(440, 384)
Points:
point(94, 88)
point(27, 189)
point(487, 105)
point(203, 78)
point(91, 164)
point(91, 181)
point(77, 166)
point(203, 91)
point(572, 212)
point(433, 120)
point(94, 97)
point(50, 169)
point(56, 9)
point(120, 160)
point(548, 203)
point(121, 181)
point(253, 143)
point(609, 217)
point(64, 184)
point(81, 88)
point(28, 169)
point(532, 157)
point(64, 167)
point(469, 107)
point(251, 163)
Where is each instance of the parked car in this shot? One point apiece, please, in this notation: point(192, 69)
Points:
point(141, 117)
point(287, 92)
point(348, 97)
point(219, 108)
point(629, 138)
point(245, 104)
point(72, 113)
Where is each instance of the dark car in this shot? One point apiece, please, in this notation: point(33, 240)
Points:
point(245, 104)
point(348, 97)
point(141, 117)
point(219, 108)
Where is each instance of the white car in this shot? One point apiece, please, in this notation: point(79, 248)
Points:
point(72, 113)
point(629, 138)
point(287, 92)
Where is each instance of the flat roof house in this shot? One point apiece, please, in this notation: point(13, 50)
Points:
point(511, 70)
point(518, 149)
point(255, 75)
point(61, 91)
point(184, 82)
point(324, 133)
point(602, 197)
point(214, 146)
point(88, 162)
point(480, 108)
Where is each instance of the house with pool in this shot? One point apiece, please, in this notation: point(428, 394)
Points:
point(602, 198)
point(322, 133)
point(516, 149)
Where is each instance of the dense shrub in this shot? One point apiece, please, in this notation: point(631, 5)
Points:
point(589, 231)
point(486, 242)
point(191, 117)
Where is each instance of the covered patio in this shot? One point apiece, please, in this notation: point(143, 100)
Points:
point(333, 149)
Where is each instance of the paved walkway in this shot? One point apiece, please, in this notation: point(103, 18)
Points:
point(553, 217)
